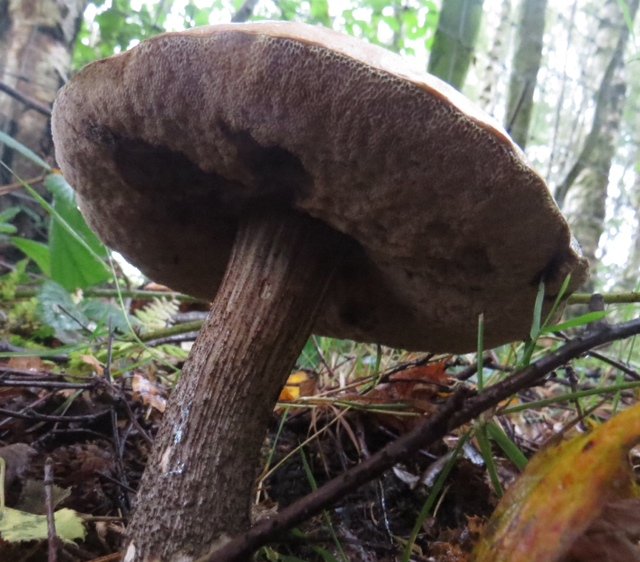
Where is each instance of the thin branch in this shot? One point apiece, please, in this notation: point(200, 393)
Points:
point(45, 384)
point(30, 103)
point(458, 410)
point(53, 540)
point(29, 415)
point(16, 186)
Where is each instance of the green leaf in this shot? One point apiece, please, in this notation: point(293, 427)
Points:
point(7, 228)
point(482, 437)
point(35, 251)
point(9, 214)
point(107, 315)
point(57, 309)
point(18, 526)
point(72, 320)
point(22, 149)
point(75, 264)
point(320, 11)
point(537, 312)
point(576, 322)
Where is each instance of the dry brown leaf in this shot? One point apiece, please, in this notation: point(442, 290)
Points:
point(26, 363)
point(93, 363)
point(149, 393)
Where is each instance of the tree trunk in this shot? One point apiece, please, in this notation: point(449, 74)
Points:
point(524, 71)
point(611, 37)
point(455, 40)
point(631, 273)
point(197, 487)
point(36, 44)
point(585, 202)
point(490, 75)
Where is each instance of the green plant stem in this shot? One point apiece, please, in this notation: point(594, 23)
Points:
point(609, 298)
point(176, 330)
point(571, 396)
point(141, 294)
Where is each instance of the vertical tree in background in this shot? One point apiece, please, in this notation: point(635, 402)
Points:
point(36, 43)
point(525, 66)
point(631, 273)
point(454, 40)
point(491, 71)
point(584, 191)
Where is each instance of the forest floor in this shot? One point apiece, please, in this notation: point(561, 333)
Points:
point(97, 429)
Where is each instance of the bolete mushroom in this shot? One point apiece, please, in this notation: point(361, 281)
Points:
point(309, 182)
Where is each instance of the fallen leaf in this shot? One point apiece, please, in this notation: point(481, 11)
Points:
point(26, 363)
point(300, 383)
point(94, 363)
point(18, 526)
point(148, 393)
point(431, 373)
point(562, 492)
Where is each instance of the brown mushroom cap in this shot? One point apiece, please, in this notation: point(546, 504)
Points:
point(169, 143)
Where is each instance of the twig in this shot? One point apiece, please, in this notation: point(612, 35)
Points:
point(16, 186)
point(53, 540)
point(45, 384)
point(29, 102)
point(122, 496)
point(634, 375)
point(456, 411)
point(29, 415)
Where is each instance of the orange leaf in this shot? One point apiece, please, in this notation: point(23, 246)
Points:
point(561, 492)
point(435, 373)
point(298, 384)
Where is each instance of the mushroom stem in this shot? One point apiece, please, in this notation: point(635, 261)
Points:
point(198, 484)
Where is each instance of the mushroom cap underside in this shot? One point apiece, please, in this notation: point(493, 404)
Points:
point(170, 143)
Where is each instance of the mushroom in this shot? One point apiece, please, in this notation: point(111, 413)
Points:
point(308, 182)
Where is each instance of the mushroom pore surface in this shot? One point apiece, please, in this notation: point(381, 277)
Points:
point(170, 143)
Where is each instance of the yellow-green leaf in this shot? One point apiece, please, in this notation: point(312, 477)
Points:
point(562, 491)
point(18, 526)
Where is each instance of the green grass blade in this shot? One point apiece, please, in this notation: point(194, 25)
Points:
point(513, 452)
point(22, 149)
point(432, 498)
